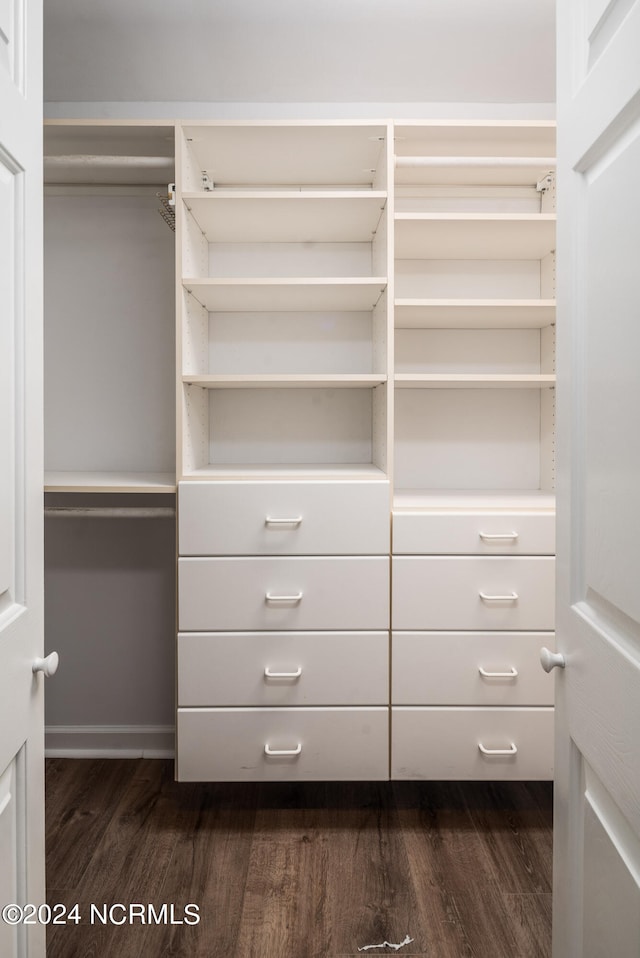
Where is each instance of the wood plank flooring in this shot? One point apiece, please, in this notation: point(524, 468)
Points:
point(319, 870)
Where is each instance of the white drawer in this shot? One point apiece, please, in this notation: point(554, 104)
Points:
point(444, 744)
point(219, 745)
point(470, 668)
point(283, 668)
point(302, 593)
point(284, 518)
point(486, 593)
point(489, 533)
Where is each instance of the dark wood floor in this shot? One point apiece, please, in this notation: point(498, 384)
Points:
point(296, 871)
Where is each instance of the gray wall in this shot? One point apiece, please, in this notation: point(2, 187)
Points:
point(110, 614)
point(297, 51)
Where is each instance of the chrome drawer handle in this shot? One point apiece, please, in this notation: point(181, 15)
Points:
point(293, 521)
point(488, 536)
point(270, 597)
point(512, 750)
point(511, 674)
point(290, 752)
point(511, 597)
point(268, 674)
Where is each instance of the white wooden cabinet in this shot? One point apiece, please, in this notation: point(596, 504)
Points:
point(473, 515)
point(284, 413)
point(365, 340)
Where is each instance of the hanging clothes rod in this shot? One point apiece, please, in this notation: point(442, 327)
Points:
point(90, 161)
point(110, 512)
point(472, 161)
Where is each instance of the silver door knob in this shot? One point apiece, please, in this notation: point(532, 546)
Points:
point(49, 665)
point(551, 660)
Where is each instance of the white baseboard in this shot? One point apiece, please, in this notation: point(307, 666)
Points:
point(109, 741)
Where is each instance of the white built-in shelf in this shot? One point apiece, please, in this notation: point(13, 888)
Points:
point(472, 170)
point(285, 381)
point(287, 294)
point(279, 153)
point(472, 138)
point(473, 500)
point(474, 313)
point(288, 470)
point(474, 380)
point(492, 236)
point(287, 216)
point(111, 482)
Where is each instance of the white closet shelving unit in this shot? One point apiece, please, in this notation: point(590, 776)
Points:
point(109, 317)
point(284, 275)
point(473, 580)
point(284, 405)
point(365, 327)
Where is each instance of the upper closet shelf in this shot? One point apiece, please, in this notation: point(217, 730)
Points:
point(112, 482)
point(327, 471)
point(287, 217)
point(285, 381)
point(306, 154)
point(472, 170)
point(287, 295)
point(474, 235)
point(474, 313)
point(474, 380)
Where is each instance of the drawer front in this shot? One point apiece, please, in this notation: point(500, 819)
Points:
point(303, 593)
point(284, 518)
point(444, 744)
point(220, 745)
point(436, 593)
point(283, 668)
point(470, 668)
point(494, 533)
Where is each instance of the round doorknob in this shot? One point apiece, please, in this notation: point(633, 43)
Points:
point(49, 665)
point(551, 660)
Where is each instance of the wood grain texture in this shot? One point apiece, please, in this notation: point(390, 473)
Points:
point(313, 870)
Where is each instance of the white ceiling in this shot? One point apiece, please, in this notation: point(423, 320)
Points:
point(323, 51)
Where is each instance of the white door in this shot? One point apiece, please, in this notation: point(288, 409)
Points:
point(597, 823)
point(21, 554)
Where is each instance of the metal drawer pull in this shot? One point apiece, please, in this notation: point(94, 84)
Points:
point(498, 751)
point(497, 535)
point(268, 674)
point(283, 751)
point(270, 597)
point(511, 597)
point(293, 521)
point(511, 674)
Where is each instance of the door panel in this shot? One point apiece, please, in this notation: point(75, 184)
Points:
point(21, 477)
point(597, 820)
point(609, 840)
point(12, 849)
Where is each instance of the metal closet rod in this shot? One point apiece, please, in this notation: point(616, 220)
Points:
point(91, 159)
point(110, 512)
